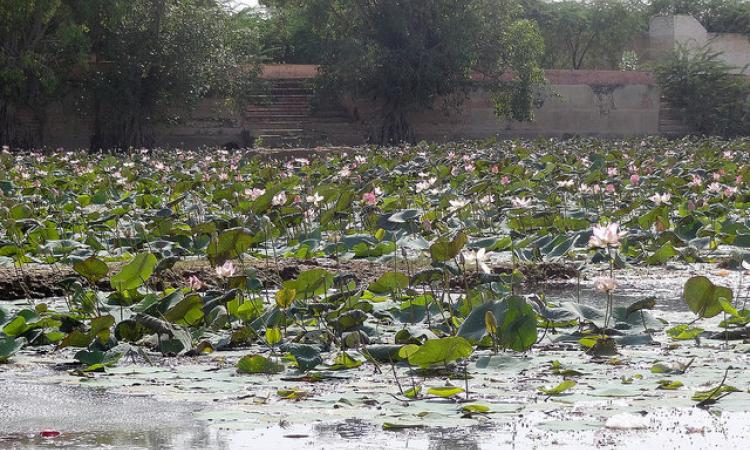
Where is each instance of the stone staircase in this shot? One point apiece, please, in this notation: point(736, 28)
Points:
point(281, 115)
point(670, 122)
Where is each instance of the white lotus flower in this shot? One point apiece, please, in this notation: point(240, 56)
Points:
point(475, 259)
point(487, 199)
point(457, 204)
point(606, 236)
point(520, 202)
point(315, 199)
point(279, 199)
point(424, 185)
point(660, 199)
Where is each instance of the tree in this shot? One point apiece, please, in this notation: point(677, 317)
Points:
point(288, 31)
point(588, 34)
point(406, 55)
point(717, 16)
point(40, 46)
point(153, 60)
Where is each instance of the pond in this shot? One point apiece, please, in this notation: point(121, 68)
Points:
point(202, 402)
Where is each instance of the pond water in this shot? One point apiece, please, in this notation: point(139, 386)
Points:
point(202, 402)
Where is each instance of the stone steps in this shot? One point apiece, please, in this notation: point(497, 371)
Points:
point(671, 123)
point(280, 115)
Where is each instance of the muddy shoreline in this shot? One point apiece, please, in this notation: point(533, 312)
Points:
point(43, 281)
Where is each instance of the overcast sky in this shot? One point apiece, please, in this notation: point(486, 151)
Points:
point(242, 3)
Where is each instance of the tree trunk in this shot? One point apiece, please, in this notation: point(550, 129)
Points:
point(395, 128)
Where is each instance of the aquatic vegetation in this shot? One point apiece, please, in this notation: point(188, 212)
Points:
point(450, 232)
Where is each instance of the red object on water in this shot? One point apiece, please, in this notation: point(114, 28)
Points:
point(50, 434)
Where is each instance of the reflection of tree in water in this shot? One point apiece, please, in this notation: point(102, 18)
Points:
point(348, 429)
point(452, 439)
point(437, 438)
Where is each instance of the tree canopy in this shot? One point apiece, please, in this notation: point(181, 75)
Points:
point(135, 64)
point(406, 55)
point(40, 46)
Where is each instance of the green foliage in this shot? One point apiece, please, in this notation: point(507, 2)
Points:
point(154, 60)
point(135, 273)
point(92, 268)
point(407, 56)
point(705, 298)
point(231, 244)
point(591, 34)
point(9, 346)
point(306, 356)
point(40, 47)
point(559, 389)
point(445, 391)
point(445, 250)
point(711, 99)
point(717, 16)
point(514, 322)
point(389, 282)
point(258, 364)
point(440, 351)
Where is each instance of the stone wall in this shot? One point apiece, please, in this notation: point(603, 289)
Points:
point(592, 103)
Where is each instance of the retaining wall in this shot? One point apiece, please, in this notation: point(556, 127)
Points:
point(594, 103)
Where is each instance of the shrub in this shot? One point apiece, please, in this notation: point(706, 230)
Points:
point(711, 99)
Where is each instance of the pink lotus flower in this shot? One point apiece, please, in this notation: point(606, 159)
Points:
point(254, 193)
point(606, 236)
point(606, 285)
point(634, 179)
point(195, 283)
point(279, 199)
point(226, 270)
point(370, 198)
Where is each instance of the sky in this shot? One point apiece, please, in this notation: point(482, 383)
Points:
point(243, 3)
